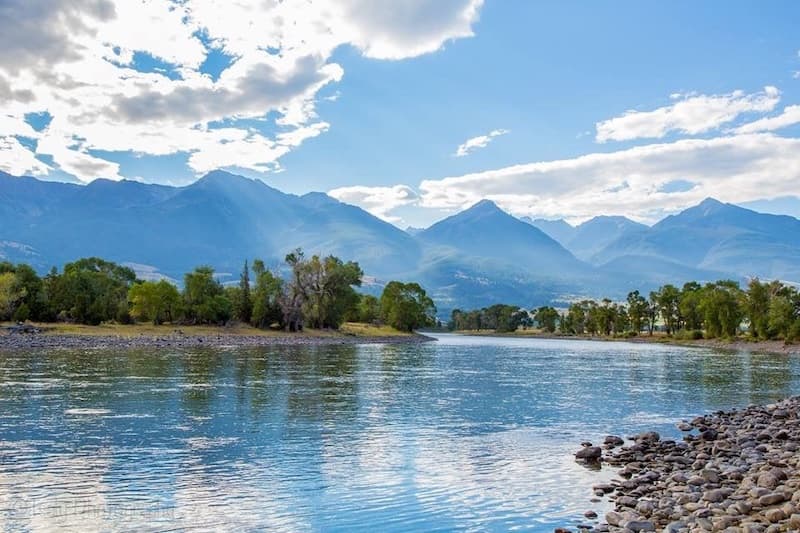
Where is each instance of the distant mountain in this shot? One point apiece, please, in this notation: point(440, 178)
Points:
point(590, 237)
point(719, 237)
point(221, 219)
point(559, 230)
point(485, 250)
point(484, 230)
point(596, 234)
point(474, 258)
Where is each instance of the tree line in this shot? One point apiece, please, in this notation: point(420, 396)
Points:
point(319, 292)
point(721, 309)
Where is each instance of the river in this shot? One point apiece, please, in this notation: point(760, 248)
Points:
point(462, 434)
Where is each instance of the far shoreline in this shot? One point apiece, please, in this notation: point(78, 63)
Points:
point(68, 336)
point(775, 347)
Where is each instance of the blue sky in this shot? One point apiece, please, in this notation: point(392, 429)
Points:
point(374, 108)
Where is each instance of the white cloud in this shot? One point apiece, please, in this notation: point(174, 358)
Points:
point(691, 114)
point(631, 182)
point(789, 117)
point(18, 160)
point(388, 29)
point(380, 201)
point(476, 143)
point(77, 60)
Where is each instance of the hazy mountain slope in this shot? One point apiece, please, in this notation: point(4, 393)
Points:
point(486, 231)
point(329, 226)
point(221, 219)
point(477, 257)
point(720, 237)
point(589, 238)
point(558, 230)
point(597, 233)
point(484, 255)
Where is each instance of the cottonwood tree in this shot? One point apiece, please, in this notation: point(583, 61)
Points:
point(406, 306)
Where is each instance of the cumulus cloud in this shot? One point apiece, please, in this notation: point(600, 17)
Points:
point(691, 114)
point(476, 143)
point(789, 117)
point(380, 201)
point(110, 86)
point(633, 182)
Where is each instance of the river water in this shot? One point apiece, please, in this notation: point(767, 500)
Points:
point(462, 434)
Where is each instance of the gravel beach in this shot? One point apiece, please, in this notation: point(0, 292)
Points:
point(734, 472)
point(26, 341)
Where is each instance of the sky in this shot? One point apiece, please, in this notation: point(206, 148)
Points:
point(414, 109)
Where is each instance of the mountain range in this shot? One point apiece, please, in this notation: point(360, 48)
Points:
point(477, 257)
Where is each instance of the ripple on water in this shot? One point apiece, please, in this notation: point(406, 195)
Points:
point(87, 411)
point(464, 434)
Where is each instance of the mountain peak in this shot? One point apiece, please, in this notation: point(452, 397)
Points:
point(484, 206)
point(710, 202)
point(216, 176)
point(318, 199)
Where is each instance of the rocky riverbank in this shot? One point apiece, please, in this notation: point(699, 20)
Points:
point(28, 341)
point(734, 472)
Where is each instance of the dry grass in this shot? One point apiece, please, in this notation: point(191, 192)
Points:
point(359, 329)
point(165, 330)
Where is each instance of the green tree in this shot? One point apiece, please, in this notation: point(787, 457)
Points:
point(637, 311)
point(204, 298)
point(757, 300)
point(783, 314)
point(321, 291)
point(546, 317)
point(155, 301)
point(577, 317)
point(11, 295)
point(243, 305)
point(90, 291)
point(689, 306)
point(266, 297)
point(368, 309)
point(722, 309)
point(652, 312)
point(667, 299)
point(406, 306)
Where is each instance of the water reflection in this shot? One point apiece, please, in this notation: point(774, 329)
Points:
point(460, 434)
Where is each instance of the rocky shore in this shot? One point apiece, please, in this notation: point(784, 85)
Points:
point(734, 472)
point(28, 341)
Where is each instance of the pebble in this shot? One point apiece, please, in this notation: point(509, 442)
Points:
point(46, 341)
point(739, 473)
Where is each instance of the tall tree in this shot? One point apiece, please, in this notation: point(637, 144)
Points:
point(11, 294)
point(321, 291)
point(244, 305)
point(267, 296)
point(546, 317)
point(667, 299)
point(406, 306)
point(90, 291)
point(153, 301)
point(204, 298)
point(722, 308)
point(637, 311)
point(689, 306)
